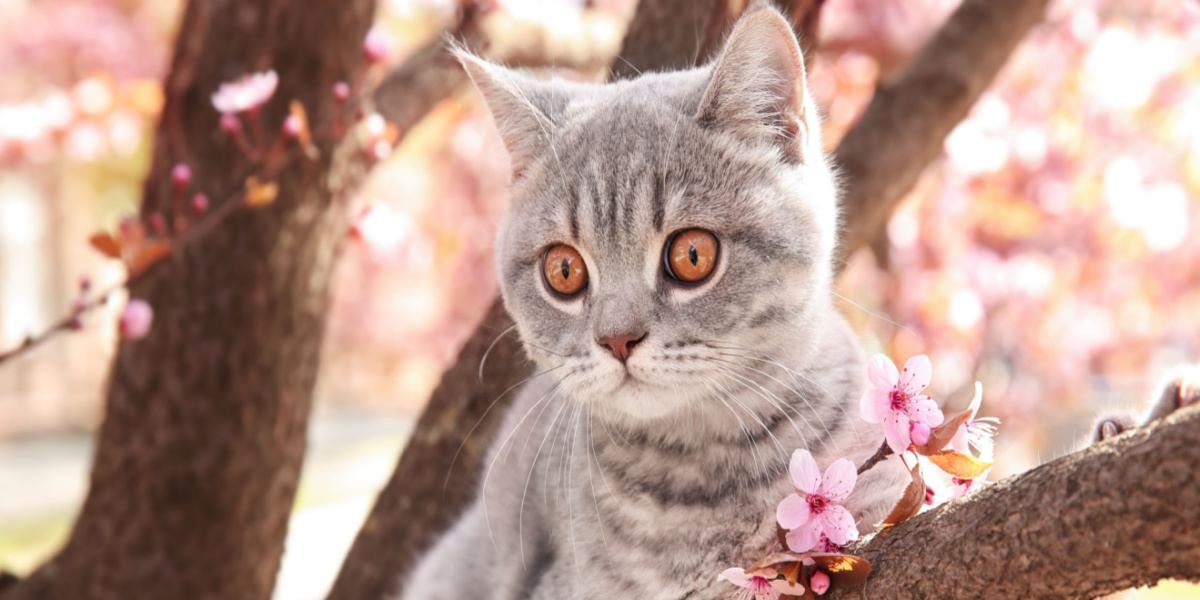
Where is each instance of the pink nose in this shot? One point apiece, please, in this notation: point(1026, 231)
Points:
point(621, 346)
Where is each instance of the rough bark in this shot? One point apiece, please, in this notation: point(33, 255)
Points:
point(1121, 514)
point(908, 119)
point(199, 453)
point(417, 504)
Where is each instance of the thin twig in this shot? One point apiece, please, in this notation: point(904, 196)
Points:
point(883, 452)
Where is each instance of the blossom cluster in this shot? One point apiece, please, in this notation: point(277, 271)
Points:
point(813, 521)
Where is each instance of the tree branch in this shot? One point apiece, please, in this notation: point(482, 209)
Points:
point(908, 119)
point(1120, 514)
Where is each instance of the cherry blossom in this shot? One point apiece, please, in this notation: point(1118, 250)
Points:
point(976, 433)
point(245, 94)
point(756, 586)
point(136, 319)
point(816, 509)
point(895, 399)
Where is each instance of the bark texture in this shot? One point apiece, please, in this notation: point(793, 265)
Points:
point(199, 453)
point(908, 119)
point(1119, 514)
point(417, 505)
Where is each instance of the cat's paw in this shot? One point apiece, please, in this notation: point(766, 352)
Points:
point(1111, 425)
point(1181, 389)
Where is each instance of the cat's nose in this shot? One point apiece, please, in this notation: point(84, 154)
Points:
point(622, 345)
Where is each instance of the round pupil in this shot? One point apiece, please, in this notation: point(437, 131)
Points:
point(566, 268)
point(693, 255)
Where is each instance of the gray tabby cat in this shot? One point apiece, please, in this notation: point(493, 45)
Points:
point(668, 262)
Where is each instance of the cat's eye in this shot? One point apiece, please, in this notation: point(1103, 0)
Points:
point(564, 271)
point(690, 255)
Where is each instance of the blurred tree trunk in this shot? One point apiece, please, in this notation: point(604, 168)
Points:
point(199, 453)
point(438, 470)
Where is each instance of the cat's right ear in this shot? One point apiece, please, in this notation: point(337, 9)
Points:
point(526, 110)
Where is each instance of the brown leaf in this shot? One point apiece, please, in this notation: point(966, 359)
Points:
point(147, 255)
point(962, 466)
point(910, 503)
point(847, 570)
point(779, 558)
point(106, 244)
point(941, 435)
point(260, 193)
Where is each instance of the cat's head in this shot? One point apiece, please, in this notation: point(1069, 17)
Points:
point(666, 230)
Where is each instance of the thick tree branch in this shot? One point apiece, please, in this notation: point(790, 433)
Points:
point(1120, 514)
point(907, 121)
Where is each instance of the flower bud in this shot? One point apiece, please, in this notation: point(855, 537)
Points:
point(136, 319)
point(181, 176)
point(819, 583)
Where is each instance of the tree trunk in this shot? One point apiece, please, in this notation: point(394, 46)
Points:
point(199, 453)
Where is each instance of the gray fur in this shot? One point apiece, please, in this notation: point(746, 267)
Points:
point(646, 480)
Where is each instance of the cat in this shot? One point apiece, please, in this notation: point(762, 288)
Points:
point(668, 260)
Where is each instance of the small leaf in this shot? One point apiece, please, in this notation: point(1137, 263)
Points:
point(962, 466)
point(845, 570)
point(106, 244)
point(145, 257)
point(260, 193)
point(941, 435)
point(910, 503)
point(775, 559)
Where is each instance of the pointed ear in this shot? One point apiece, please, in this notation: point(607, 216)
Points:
point(526, 110)
point(758, 89)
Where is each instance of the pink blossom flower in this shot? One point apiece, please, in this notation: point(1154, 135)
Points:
point(816, 508)
point(895, 399)
point(376, 46)
point(819, 582)
point(976, 433)
point(341, 91)
point(136, 319)
point(757, 587)
point(245, 94)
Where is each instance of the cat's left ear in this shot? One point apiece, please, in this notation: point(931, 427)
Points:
point(758, 88)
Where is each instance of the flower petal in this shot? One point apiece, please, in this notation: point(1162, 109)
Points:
point(976, 400)
point(787, 588)
point(736, 576)
point(792, 512)
point(874, 405)
point(804, 537)
point(917, 373)
point(896, 432)
point(924, 410)
point(805, 473)
point(959, 442)
point(839, 480)
point(882, 373)
point(838, 524)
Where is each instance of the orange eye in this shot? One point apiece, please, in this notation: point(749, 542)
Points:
point(564, 270)
point(690, 255)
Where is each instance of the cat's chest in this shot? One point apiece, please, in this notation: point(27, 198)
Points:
point(637, 537)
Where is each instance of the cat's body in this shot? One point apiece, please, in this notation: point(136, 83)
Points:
point(574, 508)
point(650, 452)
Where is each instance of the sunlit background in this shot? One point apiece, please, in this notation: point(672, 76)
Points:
point(1052, 254)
